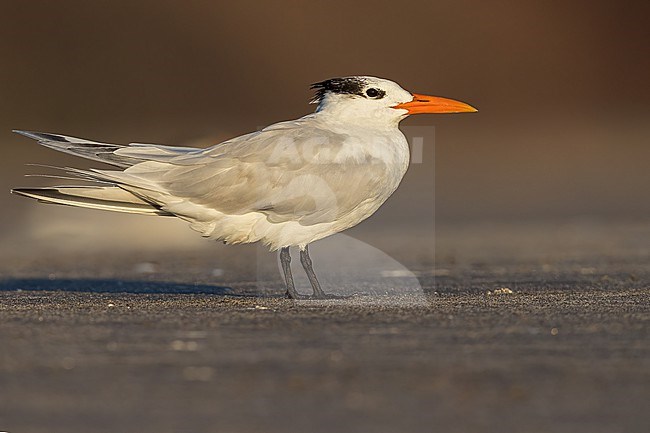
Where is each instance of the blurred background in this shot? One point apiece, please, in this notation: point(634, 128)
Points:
point(557, 159)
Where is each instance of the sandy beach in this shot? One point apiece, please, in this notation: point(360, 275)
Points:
point(483, 347)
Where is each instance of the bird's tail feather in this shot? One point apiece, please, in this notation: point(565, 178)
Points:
point(93, 197)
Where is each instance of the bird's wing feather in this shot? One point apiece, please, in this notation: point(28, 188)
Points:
point(113, 154)
point(293, 172)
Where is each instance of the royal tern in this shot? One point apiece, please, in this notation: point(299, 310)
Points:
point(290, 184)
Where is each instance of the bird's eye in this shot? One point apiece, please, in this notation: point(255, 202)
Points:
point(372, 92)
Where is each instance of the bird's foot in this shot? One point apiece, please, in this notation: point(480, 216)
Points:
point(314, 297)
point(295, 295)
point(318, 293)
point(322, 296)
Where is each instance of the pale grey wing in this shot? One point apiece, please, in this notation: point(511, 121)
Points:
point(96, 151)
point(108, 153)
point(287, 173)
point(326, 193)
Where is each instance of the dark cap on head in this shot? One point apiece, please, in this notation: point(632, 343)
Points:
point(345, 85)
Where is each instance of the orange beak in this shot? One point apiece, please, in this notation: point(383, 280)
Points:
point(434, 104)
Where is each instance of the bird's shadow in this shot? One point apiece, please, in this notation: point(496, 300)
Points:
point(90, 285)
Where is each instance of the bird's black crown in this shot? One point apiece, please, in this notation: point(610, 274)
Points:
point(344, 86)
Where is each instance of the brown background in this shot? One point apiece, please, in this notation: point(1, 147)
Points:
point(117, 322)
point(562, 89)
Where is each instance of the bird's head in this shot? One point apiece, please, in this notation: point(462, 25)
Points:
point(365, 98)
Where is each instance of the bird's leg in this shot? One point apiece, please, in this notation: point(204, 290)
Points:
point(285, 259)
point(307, 265)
